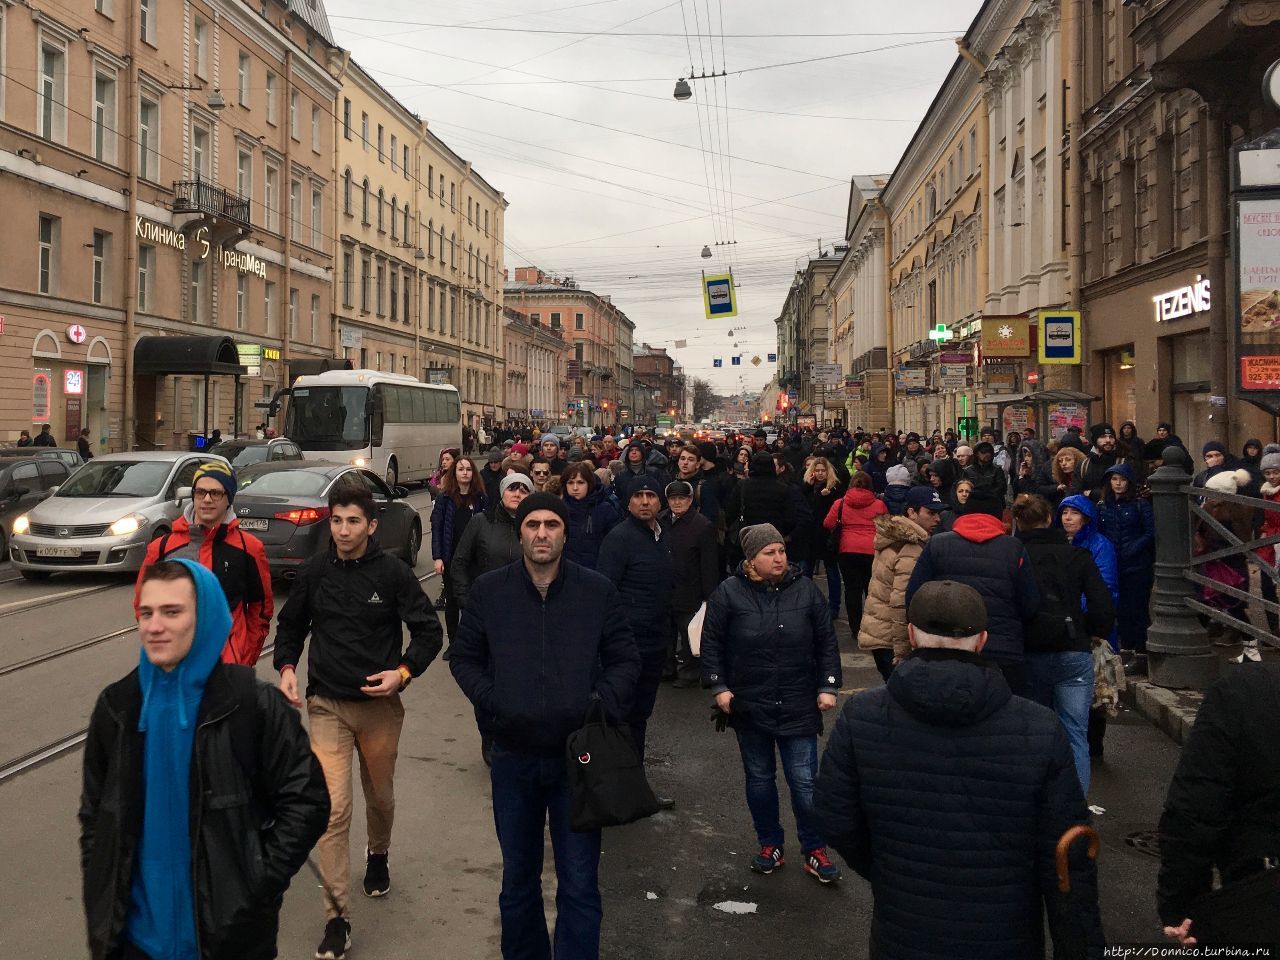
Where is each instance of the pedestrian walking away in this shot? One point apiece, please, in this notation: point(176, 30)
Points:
point(550, 639)
point(851, 523)
point(209, 533)
point(1075, 613)
point(83, 446)
point(201, 796)
point(770, 659)
point(948, 795)
point(353, 601)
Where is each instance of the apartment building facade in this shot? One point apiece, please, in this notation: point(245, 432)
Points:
point(595, 329)
point(419, 270)
point(535, 357)
point(167, 168)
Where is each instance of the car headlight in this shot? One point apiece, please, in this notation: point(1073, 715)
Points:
point(21, 525)
point(126, 525)
point(359, 462)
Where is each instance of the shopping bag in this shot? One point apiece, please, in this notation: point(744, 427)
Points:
point(607, 785)
point(694, 630)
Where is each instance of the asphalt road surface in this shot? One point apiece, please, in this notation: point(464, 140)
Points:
point(662, 879)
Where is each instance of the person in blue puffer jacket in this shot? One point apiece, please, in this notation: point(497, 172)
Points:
point(592, 513)
point(1128, 521)
point(1078, 516)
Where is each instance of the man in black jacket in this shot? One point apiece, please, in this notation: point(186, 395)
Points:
point(187, 740)
point(1223, 805)
point(353, 600)
point(549, 641)
point(696, 557)
point(636, 558)
point(949, 795)
point(1104, 455)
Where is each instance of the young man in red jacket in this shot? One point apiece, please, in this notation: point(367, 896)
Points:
point(209, 533)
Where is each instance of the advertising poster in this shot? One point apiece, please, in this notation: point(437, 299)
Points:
point(1018, 416)
point(1064, 415)
point(1006, 337)
point(1258, 225)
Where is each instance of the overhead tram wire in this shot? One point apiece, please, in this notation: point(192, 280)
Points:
point(651, 34)
point(709, 179)
point(728, 148)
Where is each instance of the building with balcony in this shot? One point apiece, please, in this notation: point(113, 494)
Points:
point(535, 358)
point(804, 333)
point(420, 262)
point(168, 170)
point(594, 328)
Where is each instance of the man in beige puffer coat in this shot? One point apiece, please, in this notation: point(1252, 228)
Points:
point(898, 545)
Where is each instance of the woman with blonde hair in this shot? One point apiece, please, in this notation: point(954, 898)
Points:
point(1065, 474)
point(822, 487)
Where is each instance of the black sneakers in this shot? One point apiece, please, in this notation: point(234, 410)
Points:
point(377, 876)
point(337, 940)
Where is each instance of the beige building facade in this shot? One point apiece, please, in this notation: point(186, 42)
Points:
point(166, 170)
point(419, 287)
point(535, 389)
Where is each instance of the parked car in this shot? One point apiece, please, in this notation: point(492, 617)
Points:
point(286, 506)
point(24, 482)
point(105, 514)
point(70, 457)
point(246, 453)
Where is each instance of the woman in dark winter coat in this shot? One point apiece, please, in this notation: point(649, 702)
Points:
point(822, 488)
point(878, 466)
point(1128, 521)
point(769, 657)
point(592, 513)
point(461, 497)
point(1133, 445)
point(761, 498)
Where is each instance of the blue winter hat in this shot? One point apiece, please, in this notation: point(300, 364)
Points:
point(220, 472)
point(1122, 470)
point(918, 497)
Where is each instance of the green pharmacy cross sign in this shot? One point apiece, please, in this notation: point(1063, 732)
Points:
point(940, 333)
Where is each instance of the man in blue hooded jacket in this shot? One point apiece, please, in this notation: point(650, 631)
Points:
point(186, 740)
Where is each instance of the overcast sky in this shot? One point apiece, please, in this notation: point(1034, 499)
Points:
point(612, 181)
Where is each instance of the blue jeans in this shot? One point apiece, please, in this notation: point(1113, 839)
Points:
point(528, 792)
point(833, 584)
point(1064, 683)
point(799, 766)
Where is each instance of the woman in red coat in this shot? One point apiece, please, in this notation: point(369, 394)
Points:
point(855, 514)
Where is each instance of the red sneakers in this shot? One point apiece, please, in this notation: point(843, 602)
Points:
point(767, 860)
point(818, 865)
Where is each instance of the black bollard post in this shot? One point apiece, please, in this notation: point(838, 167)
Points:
point(1180, 655)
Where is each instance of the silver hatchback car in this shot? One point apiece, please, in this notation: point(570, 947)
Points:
point(105, 515)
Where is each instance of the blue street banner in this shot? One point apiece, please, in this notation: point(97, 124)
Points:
point(717, 362)
point(717, 296)
point(773, 358)
point(737, 361)
point(1060, 336)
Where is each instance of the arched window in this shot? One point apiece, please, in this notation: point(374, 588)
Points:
point(364, 201)
point(346, 191)
point(395, 209)
point(453, 251)
point(431, 238)
point(406, 220)
point(381, 202)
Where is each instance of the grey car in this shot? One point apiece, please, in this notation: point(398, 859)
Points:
point(248, 453)
point(286, 506)
point(104, 516)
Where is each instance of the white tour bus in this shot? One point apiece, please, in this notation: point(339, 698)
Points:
point(389, 422)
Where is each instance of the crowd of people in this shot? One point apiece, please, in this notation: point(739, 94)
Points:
point(982, 580)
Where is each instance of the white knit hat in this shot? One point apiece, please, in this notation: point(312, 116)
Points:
point(1228, 481)
point(898, 474)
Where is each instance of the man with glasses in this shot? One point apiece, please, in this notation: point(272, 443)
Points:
point(540, 470)
point(209, 533)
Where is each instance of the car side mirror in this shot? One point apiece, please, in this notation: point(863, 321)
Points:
point(183, 493)
point(400, 492)
point(52, 490)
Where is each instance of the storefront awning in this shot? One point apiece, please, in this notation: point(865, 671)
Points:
point(208, 356)
point(1044, 396)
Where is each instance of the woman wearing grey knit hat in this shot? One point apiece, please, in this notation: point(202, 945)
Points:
point(770, 658)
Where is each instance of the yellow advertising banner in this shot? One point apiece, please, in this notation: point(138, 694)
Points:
point(1006, 336)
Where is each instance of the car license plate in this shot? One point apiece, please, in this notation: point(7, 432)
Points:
point(68, 552)
point(253, 523)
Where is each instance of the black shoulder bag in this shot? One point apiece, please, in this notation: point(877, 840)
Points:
point(607, 785)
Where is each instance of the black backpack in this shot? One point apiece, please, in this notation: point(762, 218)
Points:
point(1059, 620)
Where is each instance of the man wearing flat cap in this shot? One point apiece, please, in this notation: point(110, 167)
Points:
point(636, 558)
point(949, 794)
